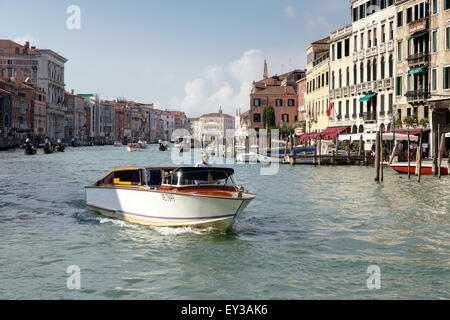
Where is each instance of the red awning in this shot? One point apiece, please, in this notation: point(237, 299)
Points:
point(330, 132)
point(307, 136)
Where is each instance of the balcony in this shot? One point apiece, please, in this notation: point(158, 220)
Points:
point(420, 58)
point(370, 116)
point(380, 84)
point(337, 93)
point(389, 83)
point(332, 96)
point(390, 45)
point(382, 48)
point(417, 95)
point(359, 89)
point(371, 51)
point(355, 56)
point(345, 91)
point(361, 54)
point(352, 90)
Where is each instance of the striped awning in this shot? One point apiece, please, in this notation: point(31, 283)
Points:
point(367, 97)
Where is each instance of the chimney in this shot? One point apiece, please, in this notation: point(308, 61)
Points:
point(27, 44)
point(71, 91)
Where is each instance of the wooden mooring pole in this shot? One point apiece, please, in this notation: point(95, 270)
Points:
point(319, 146)
point(441, 149)
point(419, 169)
point(377, 157)
point(409, 157)
point(381, 155)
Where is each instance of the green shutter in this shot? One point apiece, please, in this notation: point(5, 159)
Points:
point(434, 79)
point(445, 78)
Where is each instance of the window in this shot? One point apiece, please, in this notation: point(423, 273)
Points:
point(374, 70)
point(279, 102)
point(323, 80)
point(355, 14)
point(399, 19)
point(447, 78)
point(398, 86)
point(361, 73)
point(383, 4)
point(127, 177)
point(369, 38)
point(347, 108)
point(355, 46)
point(347, 77)
point(434, 41)
point(382, 104)
point(332, 52)
point(391, 30)
point(154, 177)
point(362, 11)
point(340, 78)
point(399, 51)
point(446, 4)
point(383, 34)
point(257, 102)
point(257, 117)
point(369, 71)
point(355, 74)
point(409, 15)
point(434, 79)
point(327, 77)
point(391, 102)
point(447, 38)
point(435, 6)
point(408, 82)
point(391, 67)
point(354, 108)
point(291, 102)
point(382, 67)
point(285, 117)
point(347, 47)
point(339, 50)
point(425, 112)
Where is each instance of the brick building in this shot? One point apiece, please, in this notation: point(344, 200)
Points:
point(280, 92)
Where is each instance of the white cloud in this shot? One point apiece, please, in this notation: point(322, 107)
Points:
point(24, 39)
point(289, 12)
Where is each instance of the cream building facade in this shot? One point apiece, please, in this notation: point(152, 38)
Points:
point(317, 85)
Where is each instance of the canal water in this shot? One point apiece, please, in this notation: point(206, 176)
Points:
point(312, 233)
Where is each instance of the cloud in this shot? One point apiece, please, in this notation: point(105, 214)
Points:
point(289, 12)
point(24, 39)
point(229, 86)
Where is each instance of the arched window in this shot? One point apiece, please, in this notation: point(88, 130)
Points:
point(340, 78)
point(361, 73)
point(374, 69)
point(347, 77)
point(391, 66)
point(355, 74)
point(6, 120)
point(382, 67)
point(369, 71)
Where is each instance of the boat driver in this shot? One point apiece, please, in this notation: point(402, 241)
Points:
point(204, 163)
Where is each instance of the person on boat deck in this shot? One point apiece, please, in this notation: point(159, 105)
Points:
point(204, 162)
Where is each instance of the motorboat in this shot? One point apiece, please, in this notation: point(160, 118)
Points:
point(134, 147)
point(203, 197)
point(426, 168)
point(118, 144)
point(29, 149)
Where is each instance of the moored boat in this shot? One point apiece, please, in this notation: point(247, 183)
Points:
point(203, 197)
point(426, 168)
point(163, 145)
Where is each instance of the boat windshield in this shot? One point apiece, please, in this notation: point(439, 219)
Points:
point(201, 177)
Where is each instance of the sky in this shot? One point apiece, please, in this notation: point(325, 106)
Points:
point(194, 56)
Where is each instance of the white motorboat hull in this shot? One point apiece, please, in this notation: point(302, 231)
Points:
point(169, 209)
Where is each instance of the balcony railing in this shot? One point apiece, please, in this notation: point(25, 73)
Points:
point(355, 56)
point(370, 116)
point(371, 51)
point(337, 93)
point(417, 95)
point(389, 83)
point(390, 45)
point(419, 58)
point(352, 90)
point(361, 54)
point(345, 91)
point(380, 84)
point(359, 89)
point(332, 96)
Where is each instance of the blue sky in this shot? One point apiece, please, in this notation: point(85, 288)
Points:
point(188, 55)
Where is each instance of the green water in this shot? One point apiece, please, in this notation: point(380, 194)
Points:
point(310, 234)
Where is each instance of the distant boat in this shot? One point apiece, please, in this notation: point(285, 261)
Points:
point(134, 147)
point(163, 145)
point(9, 146)
point(143, 144)
point(118, 144)
point(279, 152)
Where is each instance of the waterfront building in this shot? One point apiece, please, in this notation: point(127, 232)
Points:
point(362, 68)
point(106, 121)
point(278, 91)
point(75, 126)
point(413, 62)
point(50, 77)
point(317, 85)
point(301, 93)
point(36, 118)
point(439, 71)
point(18, 62)
point(214, 126)
point(168, 124)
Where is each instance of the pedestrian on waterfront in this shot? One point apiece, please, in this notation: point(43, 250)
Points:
point(204, 163)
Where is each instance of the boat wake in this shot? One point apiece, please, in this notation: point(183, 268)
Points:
point(169, 231)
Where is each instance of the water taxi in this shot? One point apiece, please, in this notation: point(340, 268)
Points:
point(134, 147)
point(202, 197)
point(426, 168)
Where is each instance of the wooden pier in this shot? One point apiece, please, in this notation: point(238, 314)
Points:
point(341, 158)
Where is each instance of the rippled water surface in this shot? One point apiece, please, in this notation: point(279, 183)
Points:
point(310, 234)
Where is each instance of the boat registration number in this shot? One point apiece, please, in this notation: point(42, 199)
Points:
point(168, 197)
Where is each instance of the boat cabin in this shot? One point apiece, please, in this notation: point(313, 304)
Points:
point(169, 177)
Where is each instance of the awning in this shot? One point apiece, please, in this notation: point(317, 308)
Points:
point(418, 70)
point(411, 132)
point(416, 35)
point(367, 97)
point(330, 132)
point(372, 136)
point(307, 136)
